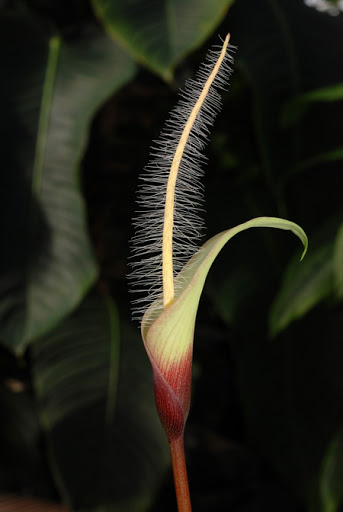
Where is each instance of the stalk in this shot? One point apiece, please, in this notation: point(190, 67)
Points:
point(177, 451)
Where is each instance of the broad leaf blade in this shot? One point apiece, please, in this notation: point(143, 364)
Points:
point(160, 33)
point(107, 449)
point(49, 99)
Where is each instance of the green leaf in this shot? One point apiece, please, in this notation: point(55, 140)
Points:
point(331, 478)
point(160, 33)
point(107, 449)
point(302, 287)
point(48, 97)
point(73, 357)
point(297, 107)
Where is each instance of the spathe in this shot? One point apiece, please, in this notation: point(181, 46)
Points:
point(168, 333)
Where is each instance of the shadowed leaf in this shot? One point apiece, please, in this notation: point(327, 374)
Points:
point(48, 100)
point(161, 35)
point(101, 410)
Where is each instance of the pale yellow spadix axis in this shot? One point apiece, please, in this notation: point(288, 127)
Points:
point(168, 224)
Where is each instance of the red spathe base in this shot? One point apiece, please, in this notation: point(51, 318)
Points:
point(172, 395)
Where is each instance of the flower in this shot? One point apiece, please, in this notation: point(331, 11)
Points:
point(169, 266)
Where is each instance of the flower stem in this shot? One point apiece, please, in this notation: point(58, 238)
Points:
point(177, 451)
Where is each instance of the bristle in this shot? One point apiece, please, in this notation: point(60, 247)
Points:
point(146, 275)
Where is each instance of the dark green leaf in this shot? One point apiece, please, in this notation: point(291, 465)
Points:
point(107, 448)
point(160, 33)
point(49, 94)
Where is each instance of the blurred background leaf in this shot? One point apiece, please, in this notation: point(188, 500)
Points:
point(92, 398)
point(49, 96)
point(161, 34)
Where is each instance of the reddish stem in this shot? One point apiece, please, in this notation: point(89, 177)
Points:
point(180, 474)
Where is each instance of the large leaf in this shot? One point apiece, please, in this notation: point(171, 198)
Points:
point(48, 97)
point(106, 446)
point(159, 33)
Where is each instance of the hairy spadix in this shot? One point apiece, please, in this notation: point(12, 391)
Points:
point(168, 225)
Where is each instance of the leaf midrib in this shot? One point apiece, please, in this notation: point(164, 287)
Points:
point(38, 162)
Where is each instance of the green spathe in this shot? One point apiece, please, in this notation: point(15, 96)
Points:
point(168, 333)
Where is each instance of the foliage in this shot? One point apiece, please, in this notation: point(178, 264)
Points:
point(85, 88)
